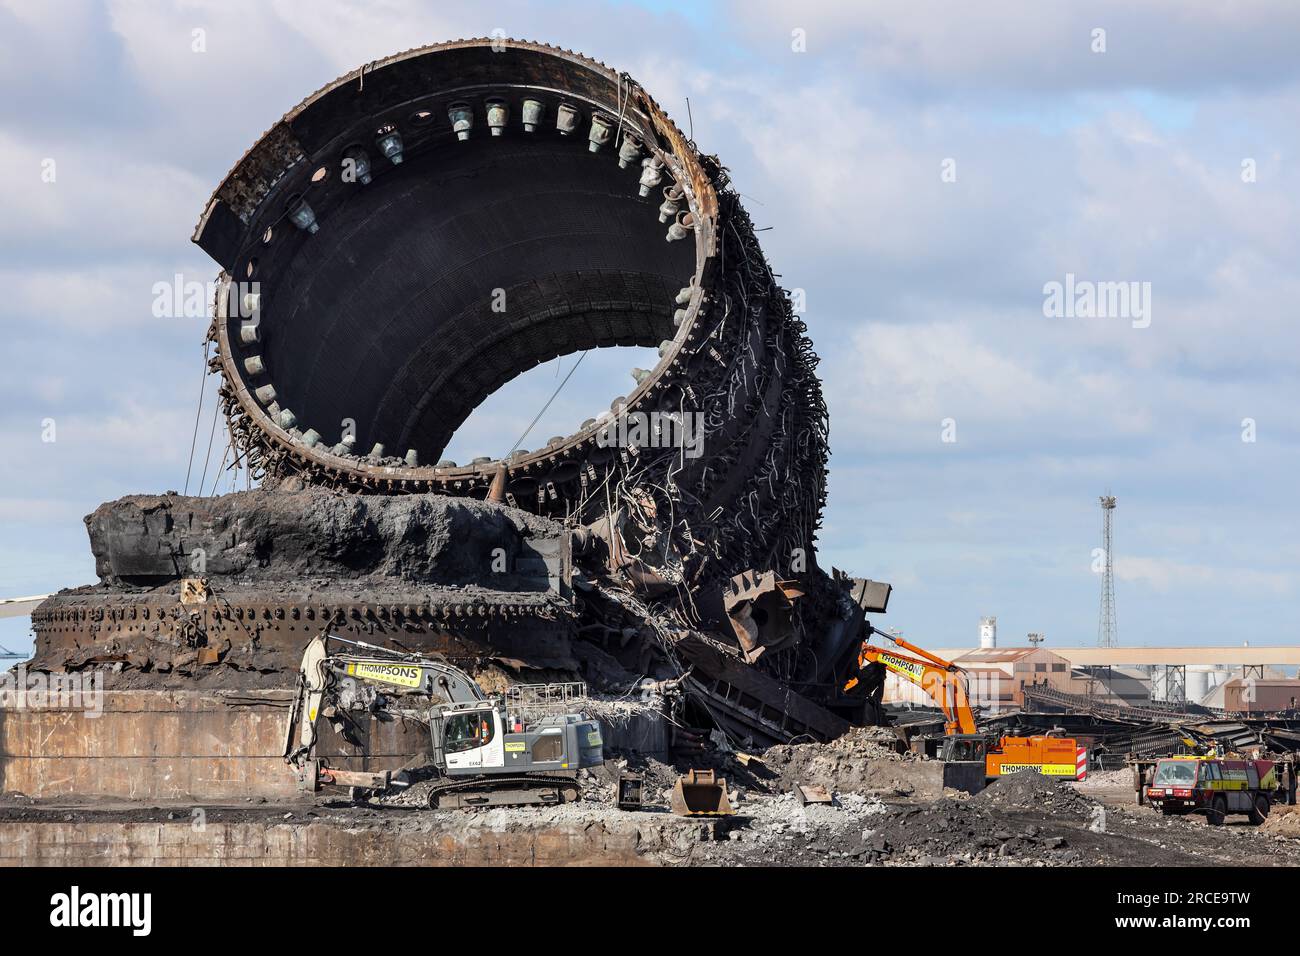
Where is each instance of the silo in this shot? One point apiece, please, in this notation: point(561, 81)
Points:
point(1198, 681)
point(988, 632)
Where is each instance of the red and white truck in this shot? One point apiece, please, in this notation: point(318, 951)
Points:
point(1219, 786)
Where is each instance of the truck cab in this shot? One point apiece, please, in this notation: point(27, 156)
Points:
point(1215, 787)
point(1174, 784)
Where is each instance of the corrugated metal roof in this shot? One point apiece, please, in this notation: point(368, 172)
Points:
point(1265, 682)
point(1279, 655)
point(1003, 655)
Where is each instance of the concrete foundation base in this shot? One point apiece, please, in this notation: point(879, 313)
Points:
point(451, 839)
point(150, 745)
point(205, 747)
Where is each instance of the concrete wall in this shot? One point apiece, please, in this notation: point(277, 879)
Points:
point(630, 839)
point(150, 745)
point(165, 745)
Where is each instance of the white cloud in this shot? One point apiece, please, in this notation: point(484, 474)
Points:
point(896, 385)
point(1166, 575)
point(103, 299)
point(1046, 45)
point(107, 197)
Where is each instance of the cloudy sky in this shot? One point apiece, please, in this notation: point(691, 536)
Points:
point(924, 170)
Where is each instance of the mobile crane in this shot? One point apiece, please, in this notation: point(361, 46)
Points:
point(945, 683)
point(485, 752)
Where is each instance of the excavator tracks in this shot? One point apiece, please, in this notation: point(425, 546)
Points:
point(475, 792)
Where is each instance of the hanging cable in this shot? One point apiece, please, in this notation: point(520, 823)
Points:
point(207, 458)
point(538, 416)
point(198, 414)
point(220, 469)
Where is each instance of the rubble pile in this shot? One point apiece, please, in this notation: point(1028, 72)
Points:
point(1283, 821)
point(1022, 820)
point(1103, 780)
point(864, 759)
point(951, 832)
point(1033, 792)
point(861, 830)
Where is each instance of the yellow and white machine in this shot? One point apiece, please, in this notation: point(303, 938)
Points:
point(486, 751)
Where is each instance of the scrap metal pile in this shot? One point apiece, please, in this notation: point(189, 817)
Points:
point(1118, 732)
point(397, 247)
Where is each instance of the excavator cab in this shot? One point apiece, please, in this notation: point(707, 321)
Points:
point(467, 737)
point(965, 748)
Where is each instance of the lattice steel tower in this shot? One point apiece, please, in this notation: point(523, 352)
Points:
point(1106, 634)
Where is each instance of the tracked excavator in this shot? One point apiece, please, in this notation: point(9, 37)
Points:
point(494, 751)
point(945, 683)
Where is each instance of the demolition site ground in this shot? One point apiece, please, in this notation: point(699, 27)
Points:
point(878, 817)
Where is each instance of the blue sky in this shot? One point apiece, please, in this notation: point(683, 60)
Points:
point(925, 293)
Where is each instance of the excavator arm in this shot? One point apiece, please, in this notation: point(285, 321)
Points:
point(385, 669)
point(484, 753)
point(942, 680)
point(945, 682)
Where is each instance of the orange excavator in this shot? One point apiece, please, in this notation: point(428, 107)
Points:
point(945, 683)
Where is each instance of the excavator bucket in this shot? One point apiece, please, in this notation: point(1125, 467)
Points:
point(698, 793)
point(759, 608)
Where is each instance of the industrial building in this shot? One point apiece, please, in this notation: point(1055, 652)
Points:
point(1241, 679)
point(998, 676)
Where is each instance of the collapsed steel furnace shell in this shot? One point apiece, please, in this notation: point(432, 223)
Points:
point(512, 230)
point(397, 247)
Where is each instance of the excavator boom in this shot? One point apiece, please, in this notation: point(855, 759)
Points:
point(405, 672)
point(947, 687)
point(945, 682)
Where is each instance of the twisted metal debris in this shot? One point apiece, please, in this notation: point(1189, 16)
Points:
point(430, 225)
